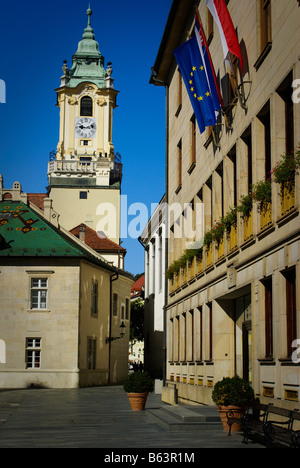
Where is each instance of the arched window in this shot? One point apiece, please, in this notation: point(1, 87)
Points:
point(86, 106)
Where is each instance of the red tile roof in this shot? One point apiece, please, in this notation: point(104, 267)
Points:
point(96, 242)
point(138, 286)
point(37, 199)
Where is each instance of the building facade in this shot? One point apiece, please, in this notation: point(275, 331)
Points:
point(62, 305)
point(153, 238)
point(234, 306)
point(64, 293)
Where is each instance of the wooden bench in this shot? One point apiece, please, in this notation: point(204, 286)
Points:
point(252, 421)
point(283, 432)
point(259, 419)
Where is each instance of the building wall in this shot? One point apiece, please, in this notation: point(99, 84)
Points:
point(119, 349)
point(100, 211)
point(94, 325)
point(155, 250)
point(56, 326)
point(210, 307)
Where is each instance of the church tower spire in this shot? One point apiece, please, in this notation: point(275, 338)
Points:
point(85, 156)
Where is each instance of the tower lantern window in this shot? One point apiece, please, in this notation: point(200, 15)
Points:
point(86, 106)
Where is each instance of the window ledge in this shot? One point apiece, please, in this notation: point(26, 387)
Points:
point(263, 55)
point(33, 311)
point(178, 189)
point(192, 167)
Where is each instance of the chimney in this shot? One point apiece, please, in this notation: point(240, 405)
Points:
point(82, 233)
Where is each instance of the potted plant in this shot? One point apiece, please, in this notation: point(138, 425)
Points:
point(262, 194)
point(286, 169)
point(232, 394)
point(246, 205)
point(230, 219)
point(137, 386)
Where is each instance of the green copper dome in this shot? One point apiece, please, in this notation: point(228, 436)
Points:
point(87, 63)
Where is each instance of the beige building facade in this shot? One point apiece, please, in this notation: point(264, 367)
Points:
point(65, 311)
point(234, 307)
point(64, 293)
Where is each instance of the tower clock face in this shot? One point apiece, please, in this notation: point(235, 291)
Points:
point(85, 127)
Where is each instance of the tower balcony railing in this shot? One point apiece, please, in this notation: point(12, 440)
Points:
point(71, 166)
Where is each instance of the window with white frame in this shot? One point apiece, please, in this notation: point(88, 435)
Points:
point(33, 353)
point(39, 292)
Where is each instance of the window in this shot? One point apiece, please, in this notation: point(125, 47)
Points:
point(123, 312)
point(86, 106)
point(291, 313)
point(285, 92)
point(265, 23)
point(179, 93)
point(33, 353)
point(91, 353)
point(83, 195)
point(193, 144)
point(115, 305)
point(127, 309)
point(39, 290)
point(265, 28)
point(94, 309)
point(179, 165)
point(264, 117)
point(268, 318)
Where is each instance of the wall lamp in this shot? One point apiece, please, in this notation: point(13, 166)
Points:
point(109, 339)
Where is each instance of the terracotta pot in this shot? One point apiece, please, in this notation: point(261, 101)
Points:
point(237, 411)
point(137, 401)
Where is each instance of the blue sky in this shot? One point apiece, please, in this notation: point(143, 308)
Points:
point(35, 39)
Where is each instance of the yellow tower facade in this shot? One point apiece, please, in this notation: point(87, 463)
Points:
point(85, 173)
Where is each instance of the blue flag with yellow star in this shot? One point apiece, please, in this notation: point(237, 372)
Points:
point(199, 82)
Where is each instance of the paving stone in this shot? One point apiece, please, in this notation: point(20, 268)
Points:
point(101, 417)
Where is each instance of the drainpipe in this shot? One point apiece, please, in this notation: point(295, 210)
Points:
point(113, 277)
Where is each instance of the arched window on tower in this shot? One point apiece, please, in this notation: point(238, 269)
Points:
point(86, 106)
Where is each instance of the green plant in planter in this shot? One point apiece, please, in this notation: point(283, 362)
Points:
point(218, 231)
point(262, 194)
point(207, 239)
point(233, 391)
point(286, 169)
point(230, 219)
point(139, 382)
point(246, 205)
point(173, 269)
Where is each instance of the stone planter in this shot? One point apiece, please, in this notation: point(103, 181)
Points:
point(138, 401)
point(236, 411)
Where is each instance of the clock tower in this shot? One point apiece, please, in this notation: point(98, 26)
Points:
point(85, 174)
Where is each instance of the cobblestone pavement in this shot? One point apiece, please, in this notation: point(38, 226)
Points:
point(94, 418)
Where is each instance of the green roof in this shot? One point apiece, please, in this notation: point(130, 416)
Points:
point(24, 233)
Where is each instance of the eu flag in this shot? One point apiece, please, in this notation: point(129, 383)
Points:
point(200, 85)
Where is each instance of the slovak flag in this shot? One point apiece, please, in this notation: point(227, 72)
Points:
point(229, 40)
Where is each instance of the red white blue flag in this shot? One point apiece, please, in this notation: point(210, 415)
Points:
point(229, 40)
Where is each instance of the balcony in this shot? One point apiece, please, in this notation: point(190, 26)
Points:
point(246, 230)
point(71, 167)
point(287, 198)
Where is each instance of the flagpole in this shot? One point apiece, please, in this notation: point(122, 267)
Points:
point(209, 56)
point(241, 96)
